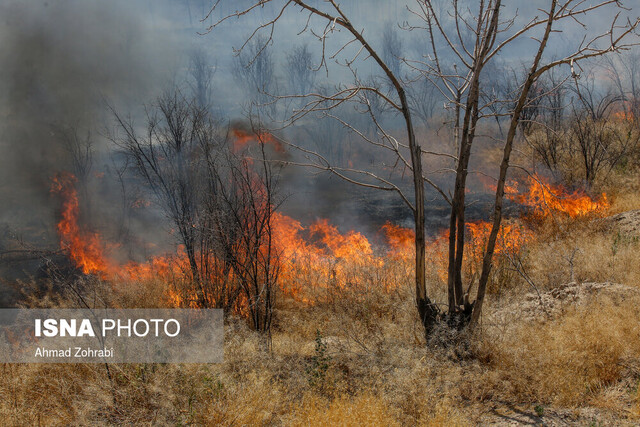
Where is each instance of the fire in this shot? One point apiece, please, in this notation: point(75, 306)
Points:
point(625, 110)
point(88, 251)
point(511, 237)
point(319, 251)
point(400, 240)
point(242, 138)
point(623, 116)
point(140, 203)
point(319, 254)
point(85, 248)
point(324, 241)
point(545, 199)
point(352, 246)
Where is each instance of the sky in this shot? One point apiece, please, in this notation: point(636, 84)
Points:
point(66, 65)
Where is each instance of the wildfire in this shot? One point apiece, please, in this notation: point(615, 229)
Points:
point(85, 248)
point(319, 254)
point(88, 251)
point(242, 138)
point(352, 246)
point(400, 240)
point(511, 237)
point(545, 199)
point(623, 116)
point(319, 251)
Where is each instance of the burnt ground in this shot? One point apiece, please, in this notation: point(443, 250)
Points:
point(306, 198)
point(351, 207)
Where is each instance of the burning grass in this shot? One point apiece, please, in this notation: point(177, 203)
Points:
point(319, 259)
point(545, 200)
point(378, 371)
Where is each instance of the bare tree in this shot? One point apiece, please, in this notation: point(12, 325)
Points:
point(424, 98)
point(80, 149)
point(474, 35)
point(220, 201)
point(166, 157)
point(169, 158)
point(255, 70)
point(201, 73)
point(79, 146)
point(300, 69)
point(600, 142)
point(392, 49)
point(240, 219)
point(624, 71)
point(545, 127)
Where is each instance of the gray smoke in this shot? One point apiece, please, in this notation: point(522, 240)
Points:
point(59, 62)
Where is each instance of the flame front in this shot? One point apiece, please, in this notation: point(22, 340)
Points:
point(85, 248)
point(243, 138)
point(320, 254)
point(545, 199)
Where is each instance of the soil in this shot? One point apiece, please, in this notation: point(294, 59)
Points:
point(625, 223)
point(551, 304)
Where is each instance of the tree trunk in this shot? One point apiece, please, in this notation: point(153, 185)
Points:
point(426, 309)
point(533, 75)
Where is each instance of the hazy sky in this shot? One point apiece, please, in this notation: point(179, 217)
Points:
point(62, 61)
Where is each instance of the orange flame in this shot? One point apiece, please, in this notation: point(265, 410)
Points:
point(85, 248)
point(511, 237)
point(318, 254)
point(545, 199)
point(400, 240)
point(88, 251)
point(243, 138)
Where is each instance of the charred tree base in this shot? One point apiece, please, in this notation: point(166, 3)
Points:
point(460, 318)
point(429, 315)
point(445, 329)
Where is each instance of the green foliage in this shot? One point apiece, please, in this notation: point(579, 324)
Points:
point(317, 371)
point(539, 410)
point(620, 240)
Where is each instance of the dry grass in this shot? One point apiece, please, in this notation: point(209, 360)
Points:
point(568, 361)
point(379, 371)
point(581, 253)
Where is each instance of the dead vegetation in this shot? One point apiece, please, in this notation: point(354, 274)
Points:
point(528, 315)
point(377, 373)
point(559, 353)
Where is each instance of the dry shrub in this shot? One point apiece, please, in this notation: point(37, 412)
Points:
point(148, 293)
point(581, 253)
point(51, 394)
point(623, 190)
point(578, 359)
point(361, 410)
point(571, 359)
point(255, 400)
point(635, 410)
point(427, 391)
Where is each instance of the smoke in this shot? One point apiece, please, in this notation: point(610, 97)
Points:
point(59, 62)
point(62, 61)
